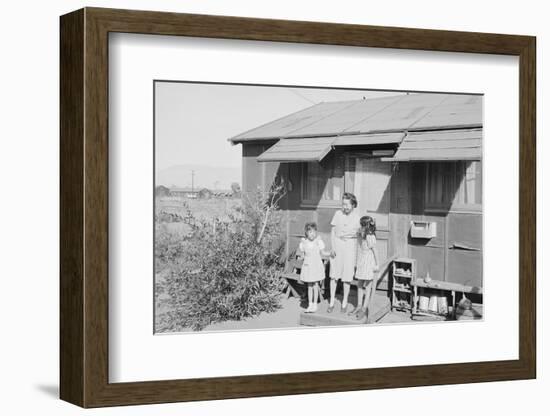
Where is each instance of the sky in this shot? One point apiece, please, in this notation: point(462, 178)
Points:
point(193, 121)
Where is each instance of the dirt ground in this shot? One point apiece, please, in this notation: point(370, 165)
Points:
point(289, 317)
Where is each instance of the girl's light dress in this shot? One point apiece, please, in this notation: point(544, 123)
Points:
point(313, 269)
point(365, 258)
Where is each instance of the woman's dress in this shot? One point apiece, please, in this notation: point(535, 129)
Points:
point(346, 227)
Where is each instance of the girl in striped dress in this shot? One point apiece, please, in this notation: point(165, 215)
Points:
point(367, 266)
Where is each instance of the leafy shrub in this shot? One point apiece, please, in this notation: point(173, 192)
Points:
point(168, 248)
point(168, 217)
point(228, 269)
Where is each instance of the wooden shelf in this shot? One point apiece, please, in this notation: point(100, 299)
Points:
point(422, 315)
point(402, 298)
point(443, 286)
point(406, 276)
point(427, 312)
point(438, 284)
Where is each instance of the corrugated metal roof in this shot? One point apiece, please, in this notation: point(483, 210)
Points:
point(439, 145)
point(286, 126)
point(389, 114)
point(314, 149)
point(342, 121)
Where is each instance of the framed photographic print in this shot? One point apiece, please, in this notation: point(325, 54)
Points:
point(249, 205)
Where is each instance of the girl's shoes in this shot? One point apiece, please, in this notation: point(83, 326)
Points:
point(311, 308)
point(362, 314)
point(355, 311)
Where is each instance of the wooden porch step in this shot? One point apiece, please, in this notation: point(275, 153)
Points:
point(380, 306)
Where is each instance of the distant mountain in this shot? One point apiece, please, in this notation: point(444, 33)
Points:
point(211, 177)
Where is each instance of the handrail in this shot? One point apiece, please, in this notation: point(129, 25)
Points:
point(384, 269)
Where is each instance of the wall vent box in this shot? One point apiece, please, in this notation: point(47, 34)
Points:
point(423, 229)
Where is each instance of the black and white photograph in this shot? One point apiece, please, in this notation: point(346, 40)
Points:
point(299, 207)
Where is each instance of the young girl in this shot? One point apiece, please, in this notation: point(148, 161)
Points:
point(367, 265)
point(313, 270)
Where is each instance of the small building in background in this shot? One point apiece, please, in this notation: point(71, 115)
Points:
point(205, 193)
point(187, 193)
point(162, 191)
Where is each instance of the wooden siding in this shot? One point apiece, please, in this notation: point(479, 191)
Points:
point(460, 264)
point(464, 244)
point(252, 170)
point(430, 254)
point(294, 194)
point(372, 187)
point(400, 211)
point(255, 174)
point(456, 253)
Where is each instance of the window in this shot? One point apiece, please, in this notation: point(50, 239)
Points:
point(439, 184)
point(469, 192)
point(323, 183)
point(454, 185)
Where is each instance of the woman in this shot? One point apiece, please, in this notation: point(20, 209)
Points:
point(345, 228)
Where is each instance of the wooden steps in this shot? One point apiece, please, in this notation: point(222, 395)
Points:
point(380, 306)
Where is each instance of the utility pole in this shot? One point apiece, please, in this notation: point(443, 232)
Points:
point(192, 181)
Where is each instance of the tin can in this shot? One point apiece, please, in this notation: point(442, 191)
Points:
point(442, 305)
point(432, 307)
point(423, 302)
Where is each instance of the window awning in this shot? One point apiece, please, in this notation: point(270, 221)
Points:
point(369, 139)
point(298, 150)
point(314, 149)
point(439, 145)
